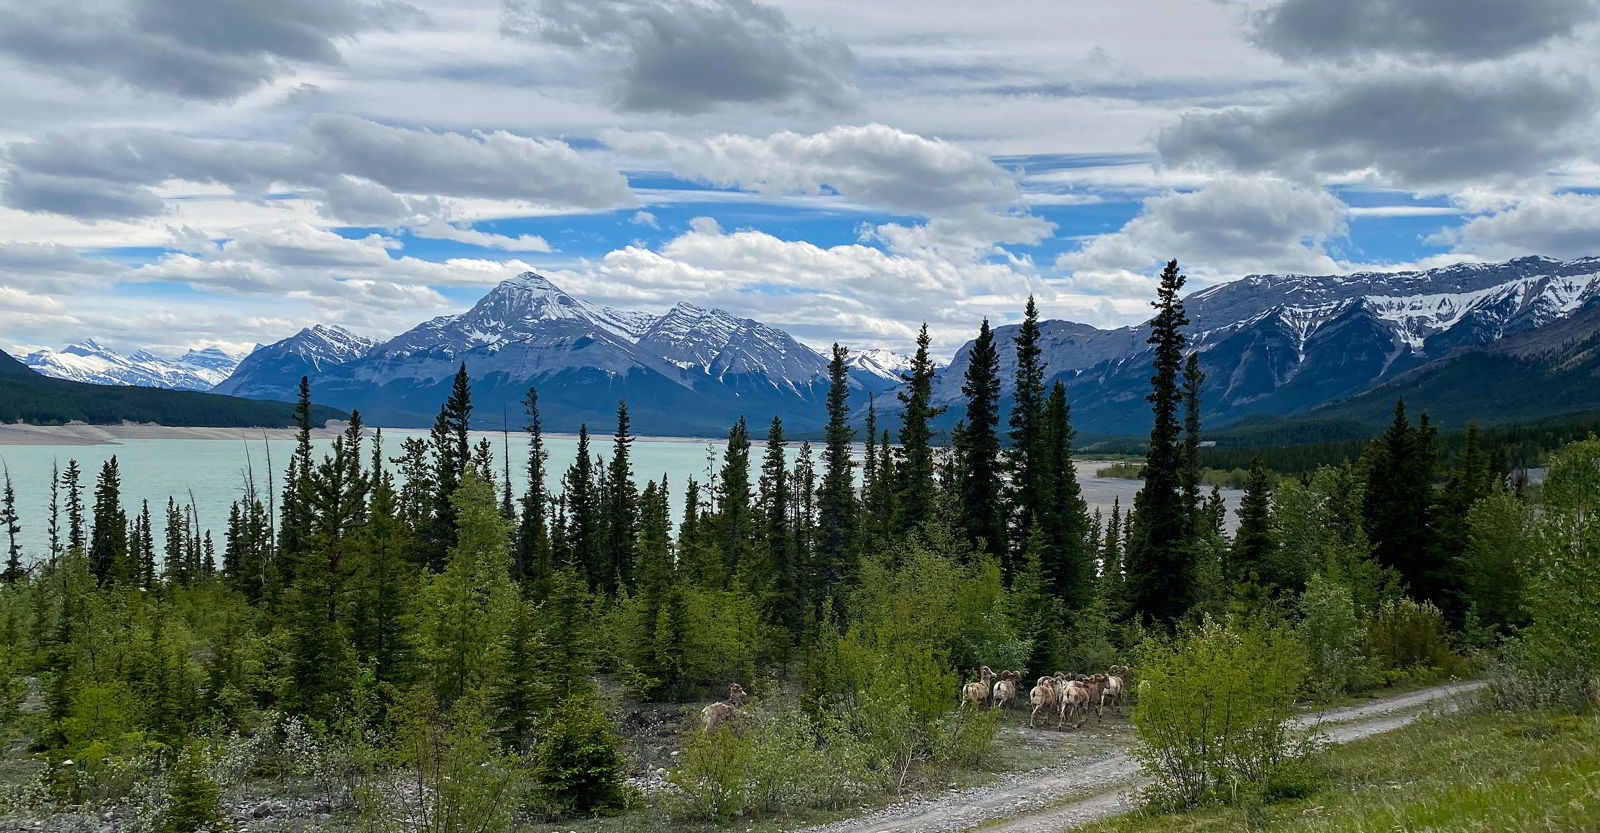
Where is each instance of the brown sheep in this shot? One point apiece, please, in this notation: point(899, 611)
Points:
point(1043, 696)
point(1006, 690)
point(717, 714)
point(979, 693)
point(1074, 699)
point(1116, 687)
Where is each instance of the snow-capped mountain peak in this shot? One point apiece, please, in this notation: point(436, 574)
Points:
point(880, 362)
point(90, 361)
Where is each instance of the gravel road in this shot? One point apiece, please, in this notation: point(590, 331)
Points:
point(1042, 800)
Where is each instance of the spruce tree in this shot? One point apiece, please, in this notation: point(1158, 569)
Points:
point(383, 584)
point(468, 609)
point(981, 500)
point(533, 563)
point(1071, 567)
point(1398, 508)
point(10, 524)
point(785, 601)
point(1253, 558)
point(583, 532)
point(451, 454)
point(1028, 471)
point(915, 489)
point(836, 504)
point(53, 513)
point(621, 510)
point(1471, 480)
point(72, 481)
point(146, 548)
point(1159, 558)
point(108, 543)
point(734, 525)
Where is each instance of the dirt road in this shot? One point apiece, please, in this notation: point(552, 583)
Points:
point(1086, 789)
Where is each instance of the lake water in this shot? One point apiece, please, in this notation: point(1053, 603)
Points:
point(214, 472)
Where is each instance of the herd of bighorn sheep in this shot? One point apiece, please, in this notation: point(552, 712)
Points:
point(1068, 696)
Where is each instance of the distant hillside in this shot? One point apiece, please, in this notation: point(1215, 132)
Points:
point(27, 396)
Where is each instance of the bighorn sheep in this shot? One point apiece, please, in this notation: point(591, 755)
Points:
point(1006, 689)
point(1074, 698)
point(978, 693)
point(717, 714)
point(1043, 696)
point(1116, 687)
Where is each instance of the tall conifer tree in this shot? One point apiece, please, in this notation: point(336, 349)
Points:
point(981, 500)
point(836, 504)
point(915, 489)
point(1160, 559)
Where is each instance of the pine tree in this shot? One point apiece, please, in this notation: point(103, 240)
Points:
point(583, 533)
point(451, 454)
point(1253, 559)
point(1071, 568)
point(1398, 508)
point(467, 610)
point(53, 522)
point(785, 600)
point(1159, 558)
point(915, 489)
point(734, 525)
point(10, 524)
point(621, 510)
point(383, 583)
point(108, 543)
point(1028, 471)
point(977, 448)
point(836, 505)
point(533, 559)
point(72, 481)
point(146, 547)
point(1113, 581)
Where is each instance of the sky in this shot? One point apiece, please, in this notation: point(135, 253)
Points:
point(187, 173)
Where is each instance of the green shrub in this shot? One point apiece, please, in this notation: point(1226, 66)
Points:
point(777, 762)
point(191, 795)
point(1332, 634)
point(1410, 639)
point(1558, 656)
point(578, 765)
point(452, 775)
point(1213, 711)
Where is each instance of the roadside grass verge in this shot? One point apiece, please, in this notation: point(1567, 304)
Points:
point(1469, 772)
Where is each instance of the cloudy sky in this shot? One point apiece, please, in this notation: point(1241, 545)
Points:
point(178, 173)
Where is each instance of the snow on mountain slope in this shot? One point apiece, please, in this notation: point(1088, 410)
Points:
point(274, 371)
point(1285, 343)
point(89, 361)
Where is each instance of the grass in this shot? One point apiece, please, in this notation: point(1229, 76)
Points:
point(1477, 772)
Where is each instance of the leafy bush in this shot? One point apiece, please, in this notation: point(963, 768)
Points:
point(1558, 656)
point(779, 761)
point(1214, 709)
point(453, 777)
point(1332, 634)
point(577, 765)
point(1410, 639)
point(191, 800)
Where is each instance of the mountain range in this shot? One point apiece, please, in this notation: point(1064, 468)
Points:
point(1302, 344)
point(31, 397)
point(89, 361)
point(690, 370)
point(1270, 346)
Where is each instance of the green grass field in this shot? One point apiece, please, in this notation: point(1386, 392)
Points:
point(1493, 772)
